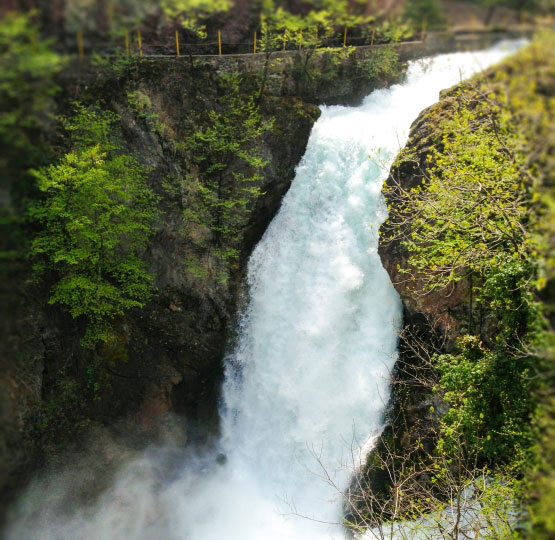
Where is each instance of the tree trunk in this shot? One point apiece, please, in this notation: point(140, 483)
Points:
point(489, 15)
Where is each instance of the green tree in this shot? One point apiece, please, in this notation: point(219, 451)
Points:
point(429, 10)
point(192, 13)
point(229, 164)
point(326, 19)
point(472, 228)
point(96, 216)
point(27, 91)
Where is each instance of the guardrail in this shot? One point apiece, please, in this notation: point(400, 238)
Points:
point(135, 44)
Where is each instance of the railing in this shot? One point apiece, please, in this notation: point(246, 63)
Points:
point(135, 44)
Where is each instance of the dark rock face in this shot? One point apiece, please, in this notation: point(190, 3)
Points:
point(444, 308)
point(168, 356)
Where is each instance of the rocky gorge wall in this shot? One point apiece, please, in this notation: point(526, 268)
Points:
point(438, 320)
point(163, 373)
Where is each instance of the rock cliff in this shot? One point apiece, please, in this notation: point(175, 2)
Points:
point(168, 356)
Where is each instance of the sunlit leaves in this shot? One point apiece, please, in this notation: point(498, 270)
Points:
point(96, 216)
point(224, 147)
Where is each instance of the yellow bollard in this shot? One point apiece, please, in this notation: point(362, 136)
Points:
point(423, 31)
point(254, 48)
point(140, 42)
point(219, 42)
point(284, 38)
point(345, 37)
point(127, 42)
point(80, 46)
point(177, 43)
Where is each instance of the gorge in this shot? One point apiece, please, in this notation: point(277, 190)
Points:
point(307, 376)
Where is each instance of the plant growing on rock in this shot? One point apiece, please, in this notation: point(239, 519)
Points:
point(96, 216)
point(468, 222)
point(223, 148)
point(381, 63)
point(192, 13)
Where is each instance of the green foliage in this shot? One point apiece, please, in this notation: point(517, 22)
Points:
point(142, 105)
point(381, 63)
point(488, 393)
point(223, 147)
point(473, 213)
point(118, 65)
point(27, 89)
point(191, 13)
point(474, 229)
point(96, 216)
point(475, 219)
point(281, 29)
point(430, 11)
point(542, 477)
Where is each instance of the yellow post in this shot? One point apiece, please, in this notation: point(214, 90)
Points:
point(301, 39)
point(254, 48)
point(423, 32)
point(140, 42)
point(80, 47)
point(219, 42)
point(177, 43)
point(284, 38)
point(345, 37)
point(127, 42)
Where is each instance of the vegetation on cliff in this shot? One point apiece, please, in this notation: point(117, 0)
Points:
point(225, 140)
point(127, 206)
point(85, 192)
point(27, 92)
point(96, 215)
point(201, 26)
point(470, 217)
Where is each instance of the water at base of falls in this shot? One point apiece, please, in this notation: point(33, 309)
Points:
point(308, 380)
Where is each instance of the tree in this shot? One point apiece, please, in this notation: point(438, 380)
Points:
point(430, 11)
point(191, 13)
point(96, 216)
point(27, 91)
point(468, 220)
point(474, 218)
point(327, 19)
point(411, 485)
point(223, 148)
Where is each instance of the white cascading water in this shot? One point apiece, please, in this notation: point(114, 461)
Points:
point(307, 383)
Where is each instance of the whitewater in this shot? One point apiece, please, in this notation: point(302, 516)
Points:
point(308, 376)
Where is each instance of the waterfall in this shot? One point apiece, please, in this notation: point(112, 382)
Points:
point(308, 379)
